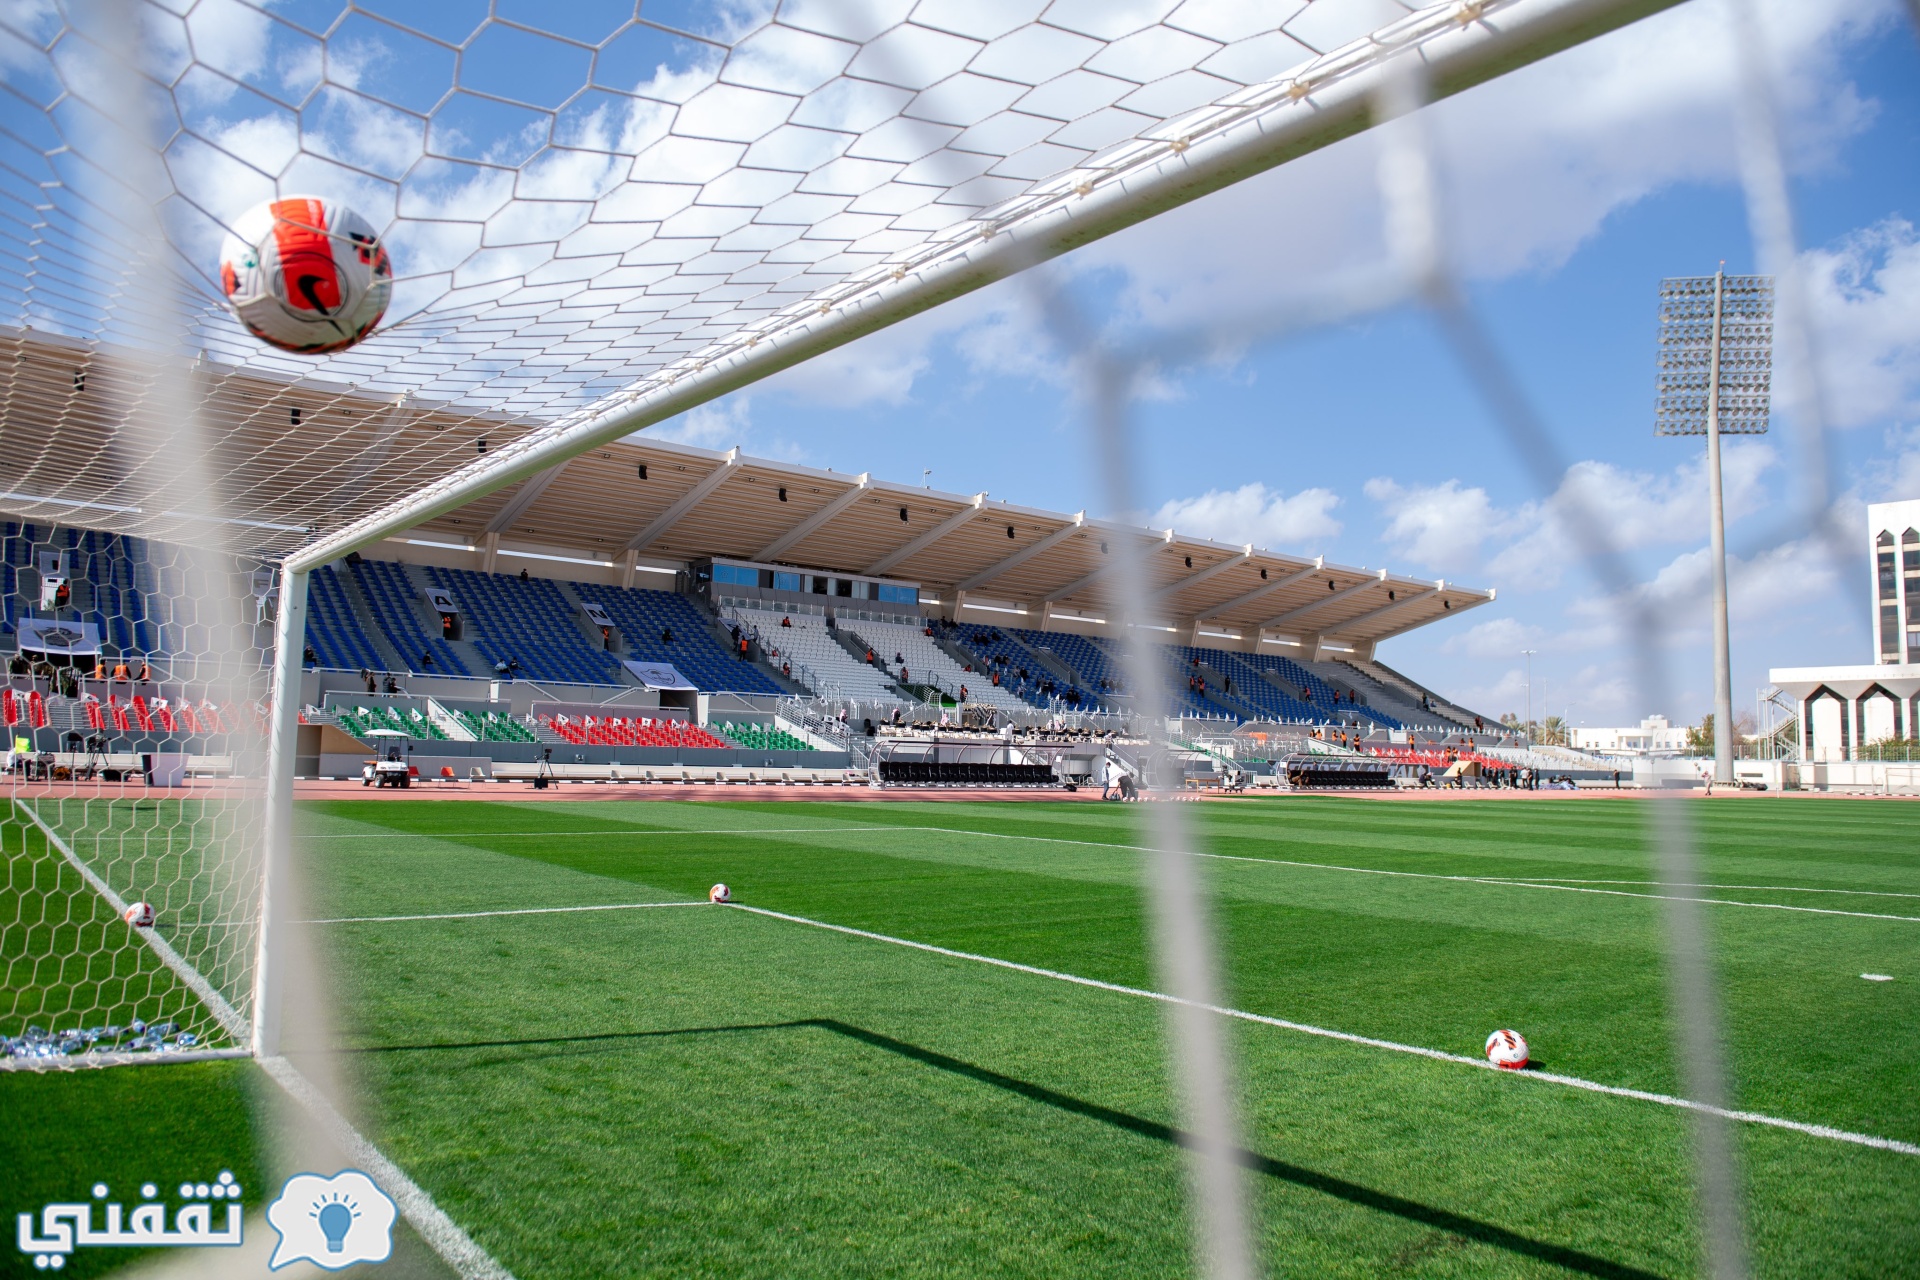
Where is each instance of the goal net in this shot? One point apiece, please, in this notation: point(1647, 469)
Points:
point(594, 224)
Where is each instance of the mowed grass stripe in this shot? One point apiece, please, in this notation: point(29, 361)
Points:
point(692, 1093)
point(1516, 882)
point(1586, 987)
point(1348, 1037)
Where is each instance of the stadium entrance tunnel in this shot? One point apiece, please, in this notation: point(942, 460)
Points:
point(1442, 1220)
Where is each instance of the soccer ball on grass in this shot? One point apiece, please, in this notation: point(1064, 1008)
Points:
point(140, 915)
point(1507, 1050)
point(720, 893)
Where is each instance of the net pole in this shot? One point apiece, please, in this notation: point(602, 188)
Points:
point(1722, 645)
point(276, 854)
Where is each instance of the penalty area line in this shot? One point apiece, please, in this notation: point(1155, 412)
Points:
point(516, 911)
point(1348, 1037)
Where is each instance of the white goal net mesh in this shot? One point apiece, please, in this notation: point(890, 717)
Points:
point(586, 209)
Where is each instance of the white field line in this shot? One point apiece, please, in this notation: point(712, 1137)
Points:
point(441, 1233)
point(517, 911)
point(1496, 881)
point(1754, 888)
point(223, 1012)
point(1546, 1077)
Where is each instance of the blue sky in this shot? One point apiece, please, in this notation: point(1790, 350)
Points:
point(1572, 188)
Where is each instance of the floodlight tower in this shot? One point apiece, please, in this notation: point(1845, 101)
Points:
point(1716, 377)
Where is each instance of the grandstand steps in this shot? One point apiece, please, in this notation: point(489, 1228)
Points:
point(1047, 660)
point(857, 648)
point(465, 649)
point(369, 625)
point(1410, 691)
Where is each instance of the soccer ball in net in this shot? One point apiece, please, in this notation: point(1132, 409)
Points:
point(720, 893)
point(140, 915)
point(1507, 1050)
point(305, 274)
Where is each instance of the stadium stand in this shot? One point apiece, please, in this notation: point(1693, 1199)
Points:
point(817, 658)
point(390, 595)
point(996, 652)
point(1095, 669)
point(631, 731)
point(493, 727)
point(361, 721)
point(528, 622)
point(333, 630)
point(646, 618)
point(926, 662)
point(762, 737)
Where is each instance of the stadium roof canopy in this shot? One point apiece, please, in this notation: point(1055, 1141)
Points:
point(969, 552)
point(601, 219)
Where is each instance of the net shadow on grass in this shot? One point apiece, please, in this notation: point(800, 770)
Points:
point(1353, 1193)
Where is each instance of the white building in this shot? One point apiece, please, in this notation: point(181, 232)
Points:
point(1652, 737)
point(1845, 708)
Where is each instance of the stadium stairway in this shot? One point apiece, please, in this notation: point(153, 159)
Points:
point(362, 610)
point(927, 662)
point(468, 652)
point(1410, 690)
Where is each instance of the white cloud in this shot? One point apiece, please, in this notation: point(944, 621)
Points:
point(1494, 638)
point(1439, 526)
point(1864, 293)
point(1254, 513)
point(720, 424)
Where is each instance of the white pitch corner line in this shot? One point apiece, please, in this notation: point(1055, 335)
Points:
point(441, 1233)
point(1546, 1077)
point(1877, 977)
point(516, 911)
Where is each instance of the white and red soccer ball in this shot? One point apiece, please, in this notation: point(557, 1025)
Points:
point(720, 893)
point(305, 274)
point(1507, 1050)
point(140, 915)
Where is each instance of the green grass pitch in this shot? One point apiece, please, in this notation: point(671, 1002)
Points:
point(703, 1091)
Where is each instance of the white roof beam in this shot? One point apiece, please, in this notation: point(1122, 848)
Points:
point(1199, 576)
point(529, 493)
point(951, 524)
point(1405, 602)
point(1265, 588)
point(1332, 597)
point(1081, 583)
point(688, 501)
point(1025, 554)
point(815, 521)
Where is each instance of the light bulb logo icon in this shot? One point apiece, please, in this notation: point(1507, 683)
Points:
point(333, 1223)
point(336, 1219)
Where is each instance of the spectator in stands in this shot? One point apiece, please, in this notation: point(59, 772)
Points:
point(963, 693)
point(786, 668)
point(786, 621)
point(392, 686)
point(513, 666)
point(896, 656)
point(146, 672)
point(99, 668)
point(367, 677)
point(743, 648)
point(869, 655)
point(308, 656)
point(523, 576)
point(1478, 725)
point(426, 660)
point(606, 638)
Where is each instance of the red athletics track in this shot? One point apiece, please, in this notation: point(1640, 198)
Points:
point(431, 789)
